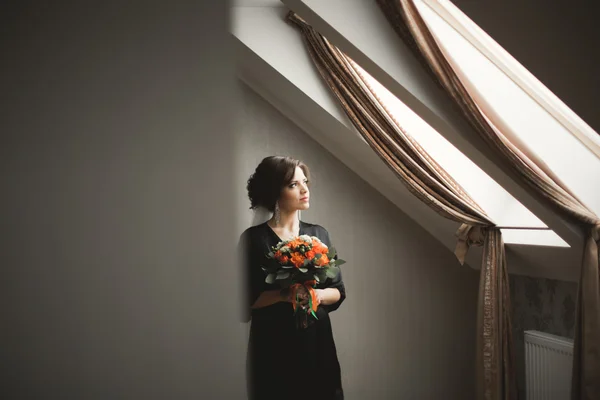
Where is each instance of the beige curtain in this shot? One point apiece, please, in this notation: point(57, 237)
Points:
point(408, 23)
point(430, 183)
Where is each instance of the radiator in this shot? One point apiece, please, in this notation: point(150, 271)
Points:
point(548, 366)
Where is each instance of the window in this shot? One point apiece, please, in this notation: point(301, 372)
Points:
point(500, 205)
point(540, 126)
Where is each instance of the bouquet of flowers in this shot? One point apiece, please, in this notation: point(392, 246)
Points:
point(302, 261)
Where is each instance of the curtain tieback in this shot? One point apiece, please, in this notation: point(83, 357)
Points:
point(468, 235)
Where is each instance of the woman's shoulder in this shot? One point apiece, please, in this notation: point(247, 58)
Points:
point(315, 229)
point(308, 225)
point(253, 231)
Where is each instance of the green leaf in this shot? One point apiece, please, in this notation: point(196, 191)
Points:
point(332, 272)
point(317, 278)
point(318, 256)
point(303, 270)
point(339, 262)
point(283, 275)
point(306, 262)
point(270, 278)
point(331, 253)
point(322, 274)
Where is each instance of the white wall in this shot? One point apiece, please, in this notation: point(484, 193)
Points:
point(407, 328)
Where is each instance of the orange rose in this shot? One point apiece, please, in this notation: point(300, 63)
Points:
point(298, 260)
point(284, 259)
point(295, 243)
point(322, 261)
point(310, 254)
point(278, 255)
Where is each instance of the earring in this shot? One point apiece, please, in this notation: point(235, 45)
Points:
point(276, 213)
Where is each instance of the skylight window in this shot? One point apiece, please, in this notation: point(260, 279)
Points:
point(500, 205)
point(572, 161)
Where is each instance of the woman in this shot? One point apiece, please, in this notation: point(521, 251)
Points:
point(286, 362)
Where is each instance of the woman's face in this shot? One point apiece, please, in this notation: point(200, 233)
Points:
point(295, 196)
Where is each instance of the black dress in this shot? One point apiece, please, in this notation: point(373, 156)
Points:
point(284, 362)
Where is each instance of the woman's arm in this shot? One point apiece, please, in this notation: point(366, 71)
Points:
point(328, 296)
point(325, 297)
point(270, 297)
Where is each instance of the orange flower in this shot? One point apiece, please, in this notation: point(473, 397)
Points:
point(295, 243)
point(319, 248)
point(322, 261)
point(297, 260)
point(278, 255)
point(284, 259)
point(310, 254)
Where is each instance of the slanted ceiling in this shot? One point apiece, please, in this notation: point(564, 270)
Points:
point(273, 60)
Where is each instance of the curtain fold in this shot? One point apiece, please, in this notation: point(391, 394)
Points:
point(496, 376)
point(432, 185)
point(405, 18)
point(415, 168)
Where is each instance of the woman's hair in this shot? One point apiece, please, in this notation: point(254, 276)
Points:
point(270, 177)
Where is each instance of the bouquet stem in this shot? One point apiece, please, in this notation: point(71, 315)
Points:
point(302, 319)
point(302, 313)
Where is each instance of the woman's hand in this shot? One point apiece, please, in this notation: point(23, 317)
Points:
point(319, 294)
point(322, 296)
point(302, 296)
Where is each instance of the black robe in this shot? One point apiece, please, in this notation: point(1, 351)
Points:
point(284, 362)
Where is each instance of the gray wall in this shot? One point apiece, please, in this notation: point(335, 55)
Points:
point(407, 327)
point(544, 305)
point(117, 225)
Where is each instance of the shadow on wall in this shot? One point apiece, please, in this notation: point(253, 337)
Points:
point(260, 215)
point(544, 305)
